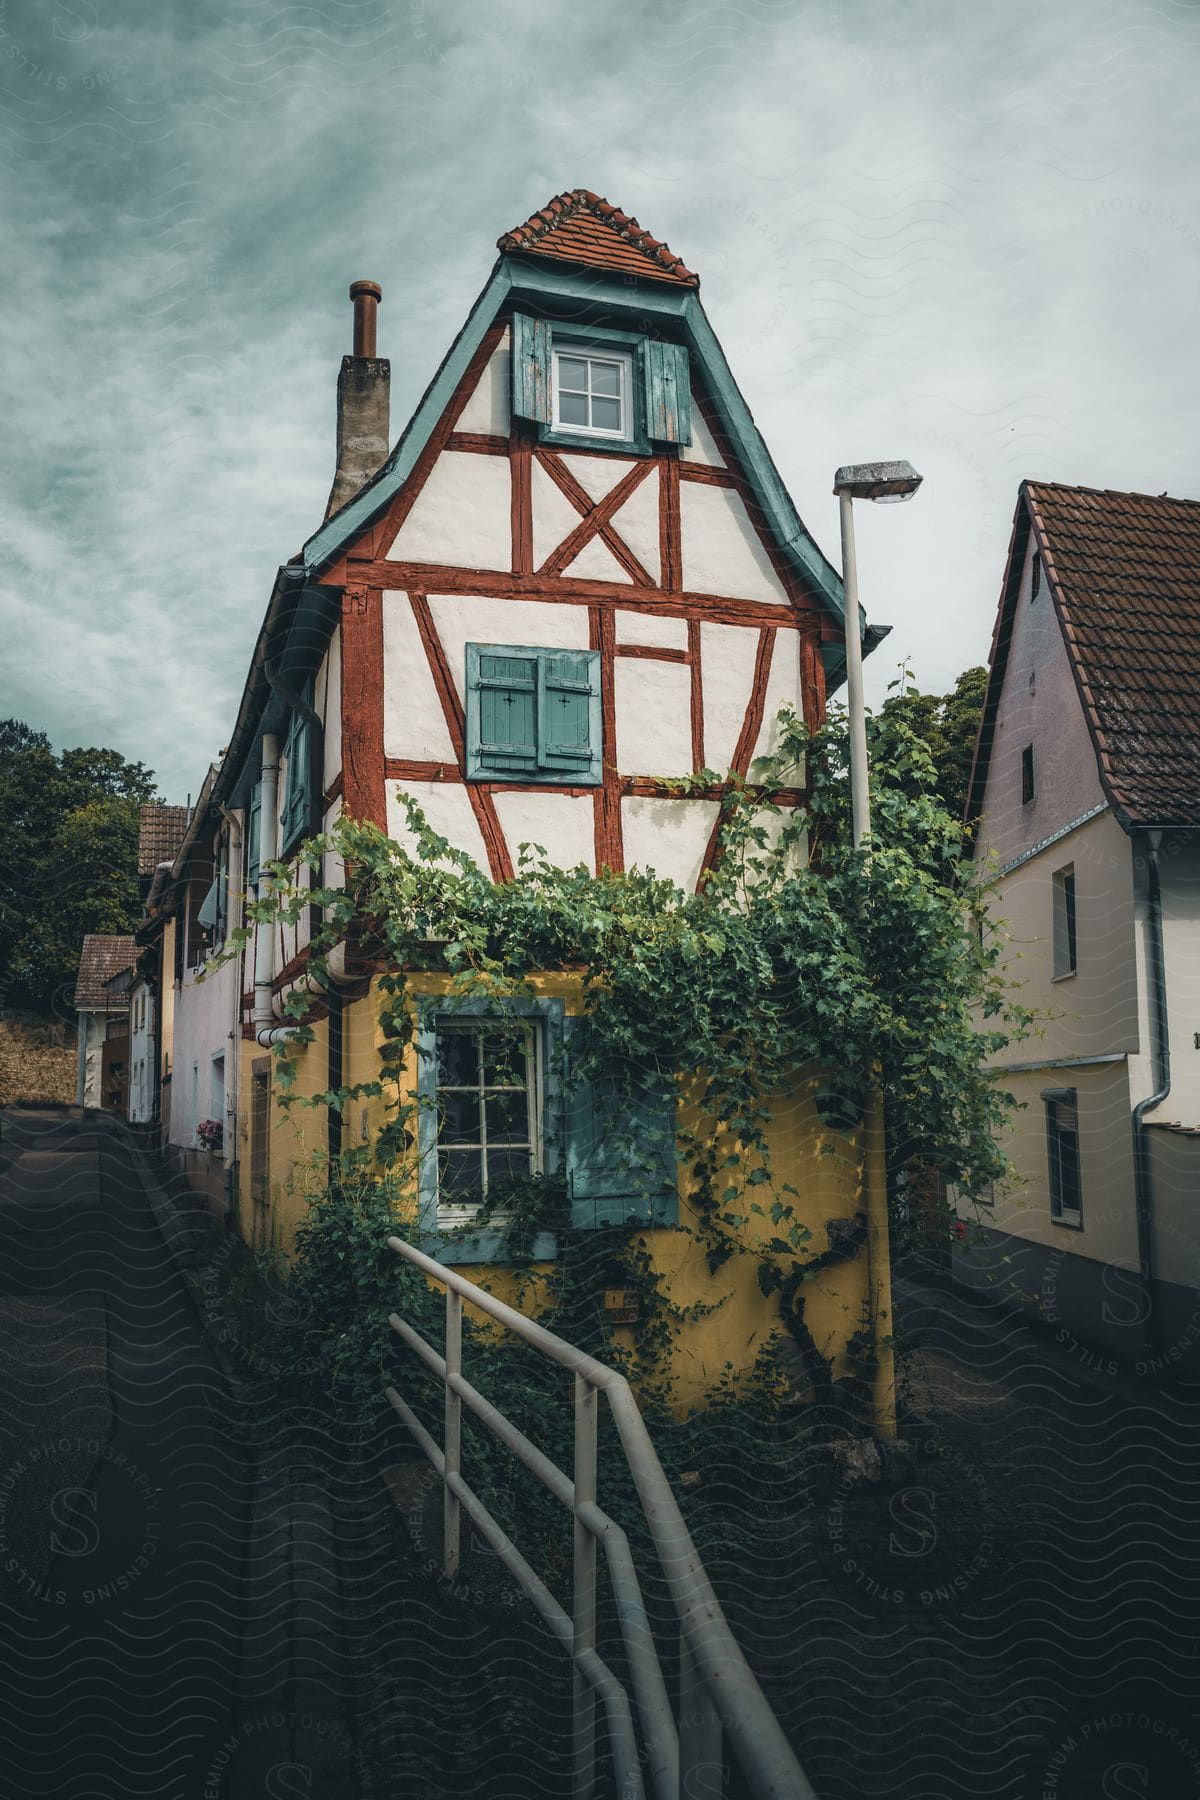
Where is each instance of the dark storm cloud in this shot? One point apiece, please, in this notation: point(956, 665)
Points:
point(966, 236)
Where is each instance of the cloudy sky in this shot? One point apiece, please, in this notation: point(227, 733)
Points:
point(966, 235)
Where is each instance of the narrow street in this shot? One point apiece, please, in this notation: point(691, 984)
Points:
point(192, 1612)
point(150, 1531)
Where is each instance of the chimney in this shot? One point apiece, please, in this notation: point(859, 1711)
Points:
point(362, 403)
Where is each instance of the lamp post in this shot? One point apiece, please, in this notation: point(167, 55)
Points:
point(886, 481)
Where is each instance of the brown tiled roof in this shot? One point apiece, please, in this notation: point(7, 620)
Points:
point(102, 957)
point(1124, 570)
point(580, 227)
point(160, 833)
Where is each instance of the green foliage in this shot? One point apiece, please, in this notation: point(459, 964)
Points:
point(69, 825)
point(948, 725)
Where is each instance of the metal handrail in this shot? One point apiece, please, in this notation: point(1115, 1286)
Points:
point(729, 1698)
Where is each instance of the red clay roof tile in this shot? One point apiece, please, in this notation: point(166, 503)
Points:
point(580, 227)
point(1125, 571)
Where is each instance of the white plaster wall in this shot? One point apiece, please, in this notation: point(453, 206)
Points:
point(1039, 706)
point(703, 447)
point(1095, 1011)
point(596, 562)
point(722, 553)
point(668, 836)
point(462, 516)
point(487, 409)
point(1109, 1231)
point(727, 658)
point(554, 518)
point(599, 475)
point(783, 689)
point(563, 824)
point(1179, 875)
point(329, 706)
point(447, 807)
point(333, 867)
point(636, 523)
point(93, 1050)
point(651, 628)
point(414, 725)
point(653, 715)
point(204, 1015)
point(463, 619)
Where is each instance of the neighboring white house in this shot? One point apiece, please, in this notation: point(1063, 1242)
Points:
point(1086, 793)
point(103, 1063)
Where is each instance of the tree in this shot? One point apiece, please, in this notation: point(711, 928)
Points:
point(948, 724)
point(69, 825)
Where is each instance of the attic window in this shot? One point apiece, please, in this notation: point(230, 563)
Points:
point(592, 393)
point(1035, 576)
point(1027, 785)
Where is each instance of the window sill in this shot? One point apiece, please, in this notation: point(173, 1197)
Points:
point(1067, 975)
point(1067, 1224)
point(557, 779)
point(554, 438)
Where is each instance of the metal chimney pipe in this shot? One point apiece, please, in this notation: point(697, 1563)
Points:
point(366, 296)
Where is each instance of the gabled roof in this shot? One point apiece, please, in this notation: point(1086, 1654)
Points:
point(1123, 571)
point(102, 957)
point(160, 833)
point(580, 227)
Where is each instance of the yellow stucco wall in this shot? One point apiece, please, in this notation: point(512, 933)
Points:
point(824, 1168)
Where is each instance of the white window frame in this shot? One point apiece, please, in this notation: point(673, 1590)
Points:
point(454, 1213)
point(592, 353)
point(1065, 923)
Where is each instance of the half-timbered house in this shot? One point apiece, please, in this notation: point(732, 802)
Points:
point(576, 577)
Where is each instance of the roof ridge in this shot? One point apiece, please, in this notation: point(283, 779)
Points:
point(562, 208)
point(1071, 487)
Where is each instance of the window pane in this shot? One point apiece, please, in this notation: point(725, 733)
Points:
point(606, 378)
point(459, 1120)
point(505, 1169)
point(508, 1118)
point(572, 409)
point(572, 373)
point(606, 415)
point(460, 1177)
point(504, 1059)
point(457, 1059)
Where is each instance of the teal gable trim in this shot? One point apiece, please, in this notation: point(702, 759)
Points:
point(561, 292)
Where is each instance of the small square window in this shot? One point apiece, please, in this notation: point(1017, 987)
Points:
point(1062, 1147)
point(1027, 784)
point(1065, 937)
point(593, 392)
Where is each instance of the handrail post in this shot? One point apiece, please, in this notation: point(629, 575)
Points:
point(584, 1602)
point(701, 1770)
point(451, 1509)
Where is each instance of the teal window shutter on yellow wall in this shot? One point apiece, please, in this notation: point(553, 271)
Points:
point(566, 696)
point(619, 1143)
point(668, 392)
point(531, 368)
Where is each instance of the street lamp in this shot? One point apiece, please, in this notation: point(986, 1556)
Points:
point(870, 481)
point(885, 481)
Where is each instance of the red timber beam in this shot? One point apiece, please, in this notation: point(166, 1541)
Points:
point(362, 784)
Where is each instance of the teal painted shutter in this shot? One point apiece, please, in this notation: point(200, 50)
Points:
point(501, 710)
point(297, 807)
point(668, 393)
point(620, 1145)
point(531, 368)
point(254, 836)
point(568, 713)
